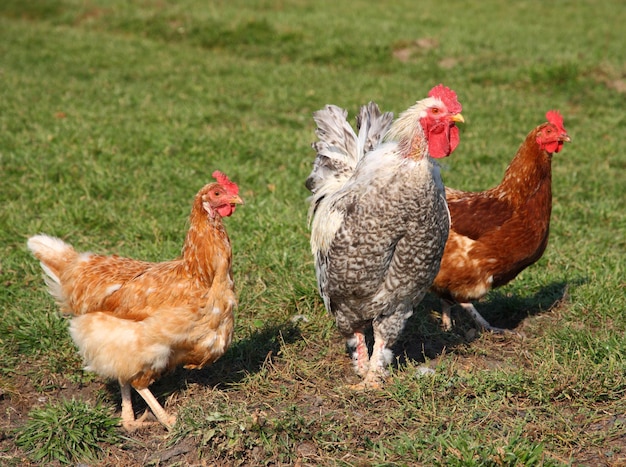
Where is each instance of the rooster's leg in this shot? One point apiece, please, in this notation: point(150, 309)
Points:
point(482, 322)
point(158, 410)
point(377, 372)
point(360, 356)
point(381, 357)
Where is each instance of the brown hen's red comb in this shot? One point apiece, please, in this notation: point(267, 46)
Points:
point(447, 96)
point(222, 179)
point(556, 119)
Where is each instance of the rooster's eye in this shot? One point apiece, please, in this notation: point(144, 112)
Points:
point(435, 110)
point(216, 193)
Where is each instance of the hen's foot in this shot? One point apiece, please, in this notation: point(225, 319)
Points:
point(159, 412)
point(131, 424)
point(374, 380)
point(508, 332)
point(134, 425)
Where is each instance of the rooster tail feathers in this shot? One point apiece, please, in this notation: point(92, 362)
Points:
point(54, 255)
point(372, 126)
point(339, 148)
point(336, 147)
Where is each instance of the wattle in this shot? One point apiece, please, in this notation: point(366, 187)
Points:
point(225, 210)
point(454, 138)
point(442, 140)
point(553, 146)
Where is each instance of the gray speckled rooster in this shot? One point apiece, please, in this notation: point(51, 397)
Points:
point(378, 217)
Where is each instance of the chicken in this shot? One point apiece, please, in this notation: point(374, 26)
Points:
point(495, 234)
point(378, 218)
point(133, 320)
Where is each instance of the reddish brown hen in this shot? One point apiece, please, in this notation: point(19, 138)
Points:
point(495, 234)
point(133, 320)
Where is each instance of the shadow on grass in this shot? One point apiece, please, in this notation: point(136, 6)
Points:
point(508, 311)
point(423, 337)
point(245, 356)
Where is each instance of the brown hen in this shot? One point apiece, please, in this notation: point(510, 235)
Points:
point(495, 234)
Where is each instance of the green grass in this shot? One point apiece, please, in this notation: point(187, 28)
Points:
point(67, 432)
point(114, 113)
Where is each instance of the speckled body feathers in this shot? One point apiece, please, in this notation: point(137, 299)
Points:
point(386, 251)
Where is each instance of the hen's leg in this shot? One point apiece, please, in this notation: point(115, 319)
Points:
point(387, 329)
point(482, 322)
point(158, 410)
point(360, 356)
point(128, 416)
point(446, 315)
point(381, 357)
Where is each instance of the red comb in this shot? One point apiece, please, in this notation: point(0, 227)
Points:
point(447, 96)
point(222, 179)
point(556, 119)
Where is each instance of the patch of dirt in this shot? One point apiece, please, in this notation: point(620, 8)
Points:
point(406, 50)
point(612, 78)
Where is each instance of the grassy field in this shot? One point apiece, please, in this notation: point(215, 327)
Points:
point(114, 113)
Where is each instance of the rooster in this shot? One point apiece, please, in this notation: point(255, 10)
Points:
point(378, 218)
point(496, 234)
point(133, 320)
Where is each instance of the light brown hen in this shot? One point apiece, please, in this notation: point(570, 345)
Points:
point(133, 320)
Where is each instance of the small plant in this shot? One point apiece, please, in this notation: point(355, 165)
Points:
point(67, 431)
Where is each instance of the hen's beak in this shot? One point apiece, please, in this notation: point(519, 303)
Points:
point(565, 138)
point(457, 118)
point(235, 200)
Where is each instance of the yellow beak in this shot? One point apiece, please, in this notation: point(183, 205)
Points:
point(236, 200)
point(457, 118)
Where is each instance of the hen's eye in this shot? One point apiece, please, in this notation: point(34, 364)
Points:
point(435, 110)
point(216, 193)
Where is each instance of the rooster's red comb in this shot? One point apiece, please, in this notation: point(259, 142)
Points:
point(222, 179)
point(556, 119)
point(447, 96)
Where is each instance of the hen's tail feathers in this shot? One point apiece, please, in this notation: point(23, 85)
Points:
point(54, 255)
point(339, 148)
